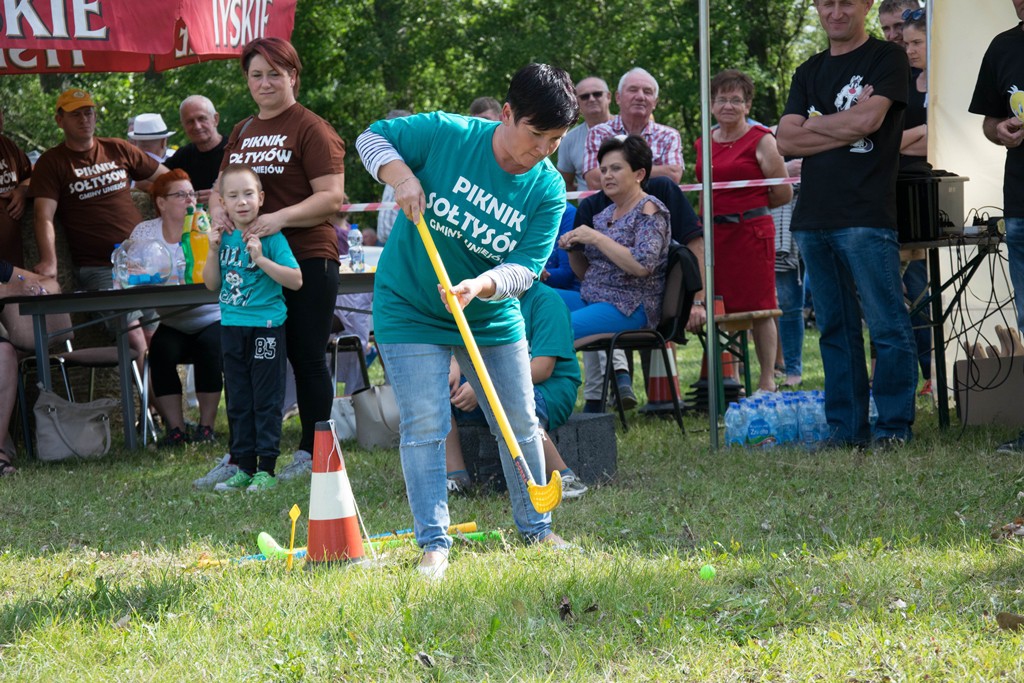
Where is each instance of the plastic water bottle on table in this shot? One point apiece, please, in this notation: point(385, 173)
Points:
point(355, 250)
point(119, 268)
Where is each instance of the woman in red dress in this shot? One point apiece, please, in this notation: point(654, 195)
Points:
point(744, 230)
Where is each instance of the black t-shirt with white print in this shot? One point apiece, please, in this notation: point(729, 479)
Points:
point(853, 185)
point(998, 93)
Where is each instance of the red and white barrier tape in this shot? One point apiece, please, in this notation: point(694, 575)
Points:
point(695, 187)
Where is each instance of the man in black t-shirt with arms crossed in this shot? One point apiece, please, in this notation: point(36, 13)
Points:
point(845, 118)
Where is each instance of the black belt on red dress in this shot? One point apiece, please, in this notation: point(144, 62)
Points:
point(740, 217)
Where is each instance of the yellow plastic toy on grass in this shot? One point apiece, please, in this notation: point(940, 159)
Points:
point(544, 498)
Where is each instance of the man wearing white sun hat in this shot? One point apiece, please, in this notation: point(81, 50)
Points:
point(149, 133)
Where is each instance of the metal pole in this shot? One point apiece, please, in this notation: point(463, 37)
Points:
point(714, 358)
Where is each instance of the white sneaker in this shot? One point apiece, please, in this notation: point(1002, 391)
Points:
point(222, 471)
point(300, 466)
point(572, 487)
point(435, 571)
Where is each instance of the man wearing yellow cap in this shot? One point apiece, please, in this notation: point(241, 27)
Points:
point(85, 183)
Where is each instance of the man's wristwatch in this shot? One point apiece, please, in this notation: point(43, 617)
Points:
point(698, 302)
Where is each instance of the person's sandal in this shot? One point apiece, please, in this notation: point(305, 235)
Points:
point(7, 468)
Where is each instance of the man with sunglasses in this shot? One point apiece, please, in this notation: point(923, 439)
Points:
point(997, 97)
point(844, 116)
point(594, 99)
point(84, 182)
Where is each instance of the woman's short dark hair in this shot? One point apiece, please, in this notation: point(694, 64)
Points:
point(733, 79)
point(635, 150)
point(544, 96)
point(278, 52)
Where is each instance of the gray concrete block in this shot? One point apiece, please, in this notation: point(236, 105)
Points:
point(588, 445)
point(586, 442)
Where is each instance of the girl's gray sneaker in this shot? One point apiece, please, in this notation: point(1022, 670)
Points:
point(222, 471)
point(300, 466)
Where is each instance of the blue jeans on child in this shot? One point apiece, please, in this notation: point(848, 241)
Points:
point(419, 374)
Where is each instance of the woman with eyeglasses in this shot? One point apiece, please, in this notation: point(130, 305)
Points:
point(744, 230)
point(189, 337)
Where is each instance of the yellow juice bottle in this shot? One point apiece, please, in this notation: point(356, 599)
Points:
point(199, 243)
point(186, 244)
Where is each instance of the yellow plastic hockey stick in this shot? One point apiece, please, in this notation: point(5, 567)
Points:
point(544, 498)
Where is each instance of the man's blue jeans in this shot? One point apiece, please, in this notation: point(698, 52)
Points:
point(791, 325)
point(419, 374)
point(845, 263)
point(1015, 250)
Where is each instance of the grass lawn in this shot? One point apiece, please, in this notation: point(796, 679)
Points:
point(842, 567)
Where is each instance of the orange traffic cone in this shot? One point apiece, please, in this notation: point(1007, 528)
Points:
point(730, 367)
point(659, 389)
point(333, 523)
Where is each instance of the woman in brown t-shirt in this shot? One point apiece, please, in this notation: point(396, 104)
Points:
point(301, 162)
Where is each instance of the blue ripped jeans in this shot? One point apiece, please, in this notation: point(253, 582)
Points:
point(419, 374)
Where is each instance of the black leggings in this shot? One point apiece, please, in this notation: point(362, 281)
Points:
point(170, 348)
point(310, 313)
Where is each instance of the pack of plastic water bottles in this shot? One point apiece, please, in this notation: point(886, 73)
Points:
point(788, 418)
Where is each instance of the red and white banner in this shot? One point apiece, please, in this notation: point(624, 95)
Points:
point(66, 36)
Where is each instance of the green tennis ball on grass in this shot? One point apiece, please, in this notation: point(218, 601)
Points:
point(707, 572)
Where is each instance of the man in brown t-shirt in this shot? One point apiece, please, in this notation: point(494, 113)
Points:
point(15, 170)
point(85, 182)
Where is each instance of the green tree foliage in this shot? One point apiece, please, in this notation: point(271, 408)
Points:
point(364, 57)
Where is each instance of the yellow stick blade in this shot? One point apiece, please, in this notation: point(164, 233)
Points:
point(294, 513)
point(546, 498)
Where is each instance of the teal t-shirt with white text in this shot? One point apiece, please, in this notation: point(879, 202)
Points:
point(248, 296)
point(479, 216)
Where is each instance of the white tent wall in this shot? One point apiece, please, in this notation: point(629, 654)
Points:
point(960, 33)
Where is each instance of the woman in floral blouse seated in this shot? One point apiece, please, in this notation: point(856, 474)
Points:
point(621, 259)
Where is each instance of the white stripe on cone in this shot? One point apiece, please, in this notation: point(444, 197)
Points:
point(330, 496)
point(658, 389)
